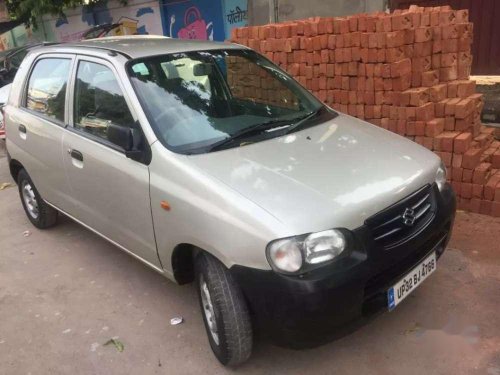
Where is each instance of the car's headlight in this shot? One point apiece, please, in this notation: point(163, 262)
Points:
point(292, 254)
point(441, 176)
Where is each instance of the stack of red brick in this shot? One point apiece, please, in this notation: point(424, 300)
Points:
point(407, 72)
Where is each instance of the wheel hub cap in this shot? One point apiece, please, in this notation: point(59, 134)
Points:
point(208, 310)
point(30, 200)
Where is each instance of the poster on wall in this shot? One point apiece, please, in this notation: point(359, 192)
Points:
point(235, 15)
point(194, 19)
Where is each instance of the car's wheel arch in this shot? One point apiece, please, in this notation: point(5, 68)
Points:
point(183, 260)
point(15, 167)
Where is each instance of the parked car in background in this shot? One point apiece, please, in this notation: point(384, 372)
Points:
point(101, 31)
point(12, 59)
point(4, 96)
point(212, 165)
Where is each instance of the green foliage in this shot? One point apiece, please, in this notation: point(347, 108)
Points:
point(29, 11)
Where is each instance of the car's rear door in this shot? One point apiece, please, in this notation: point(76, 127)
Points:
point(35, 126)
point(112, 191)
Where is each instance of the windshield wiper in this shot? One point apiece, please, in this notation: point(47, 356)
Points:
point(256, 129)
point(289, 124)
point(303, 120)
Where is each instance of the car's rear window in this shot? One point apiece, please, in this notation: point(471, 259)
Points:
point(46, 92)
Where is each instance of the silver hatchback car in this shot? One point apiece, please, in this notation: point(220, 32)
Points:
point(210, 164)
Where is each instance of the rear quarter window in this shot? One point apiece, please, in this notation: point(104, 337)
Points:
point(46, 90)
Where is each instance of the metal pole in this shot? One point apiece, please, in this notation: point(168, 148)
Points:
point(273, 11)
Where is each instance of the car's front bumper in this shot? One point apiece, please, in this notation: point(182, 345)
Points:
point(311, 309)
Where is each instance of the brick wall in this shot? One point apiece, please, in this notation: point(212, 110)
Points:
point(407, 72)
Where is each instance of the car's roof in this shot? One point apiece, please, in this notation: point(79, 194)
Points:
point(136, 46)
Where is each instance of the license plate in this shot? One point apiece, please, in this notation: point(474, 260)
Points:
point(489, 116)
point(411, 281)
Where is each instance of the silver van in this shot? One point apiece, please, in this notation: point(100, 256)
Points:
point(212, 165)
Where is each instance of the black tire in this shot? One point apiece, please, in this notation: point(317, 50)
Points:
point(46, 216)
point(234, 329)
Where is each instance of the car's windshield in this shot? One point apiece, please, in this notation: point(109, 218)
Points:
point(195, 100)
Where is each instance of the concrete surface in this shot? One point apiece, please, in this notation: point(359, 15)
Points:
point(299, 9)
point(64, 292)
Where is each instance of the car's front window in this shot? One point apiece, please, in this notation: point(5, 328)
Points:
point(196, 100)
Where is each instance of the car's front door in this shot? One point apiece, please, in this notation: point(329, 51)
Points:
point(112, 191)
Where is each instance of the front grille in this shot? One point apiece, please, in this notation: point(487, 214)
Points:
point(403, 220)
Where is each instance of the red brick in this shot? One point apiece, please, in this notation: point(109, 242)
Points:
point(425, 112)
point(497, 194)
point(472, 158)
point(440, 108)
point(428, 143)
point(449, 123)
point(401, 68)
point(422, 64)
point(434, 127)
point(430, 78)
point(416, 79)
point(395, 54)
point(475, 205)
point(456, 187)
point(491, 186)
point(434, 18)
point(467, 175)
point(448, 74)
point(486, 206)
point(410, 128)
point(466, 190)
point(495, 209)
point(449, 32)
point(418, 96)
point(495, 159)
point(401, 21)
point(464, 108)
point(437, 93)
point(481, 173)
point(448, 59)
point(456, 174)
point(462, 143)
point(401, 83)
point(450, 107)
point(447, 141)
point(422, 49)
point(466, 88)
point(447, 158)
point(419, 128)
point(423, 34)
point(457, 161)
point(447, 17)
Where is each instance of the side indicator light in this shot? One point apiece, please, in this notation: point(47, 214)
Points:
point(165, 205)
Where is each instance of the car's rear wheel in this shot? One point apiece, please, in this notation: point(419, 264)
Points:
point(39, 213)
point(225, 312)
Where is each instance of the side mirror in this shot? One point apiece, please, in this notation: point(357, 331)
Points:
point(127, 138)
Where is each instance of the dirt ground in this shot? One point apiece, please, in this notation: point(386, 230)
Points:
point(65, 292)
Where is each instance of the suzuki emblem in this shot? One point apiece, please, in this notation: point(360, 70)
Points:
point(409, 217)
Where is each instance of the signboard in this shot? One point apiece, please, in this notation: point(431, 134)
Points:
point(235, 15)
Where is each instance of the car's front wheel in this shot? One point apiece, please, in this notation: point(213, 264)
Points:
point(39, 213)
point(225, 312)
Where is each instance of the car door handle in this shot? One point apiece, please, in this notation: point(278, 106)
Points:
point(22, 129)
point(77, 155)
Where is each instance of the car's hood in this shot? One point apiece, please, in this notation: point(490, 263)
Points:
point(332, 175)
